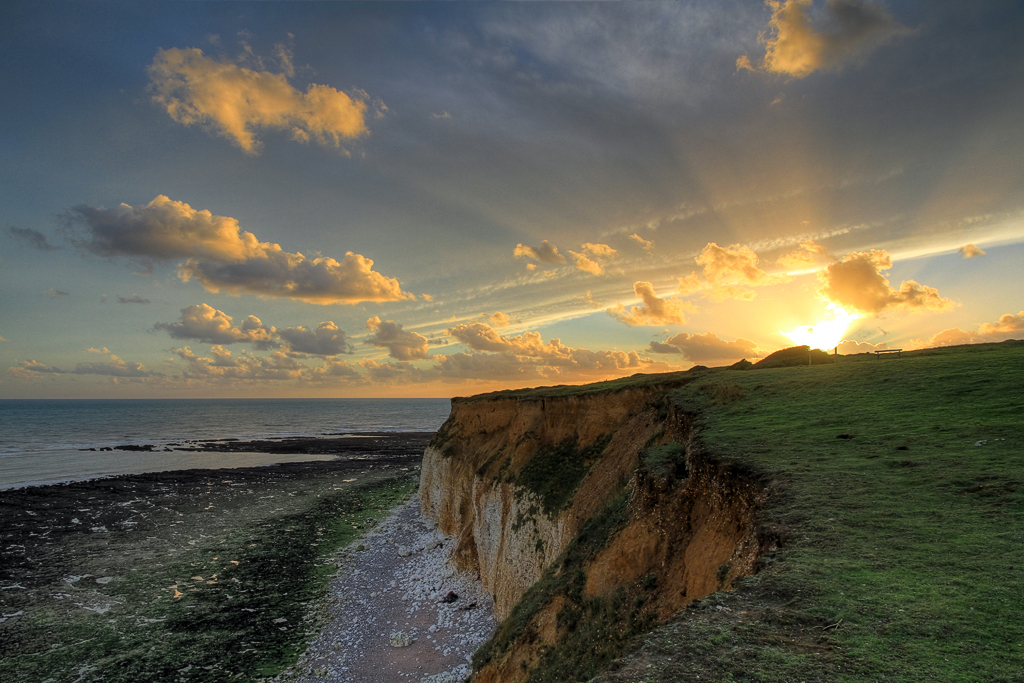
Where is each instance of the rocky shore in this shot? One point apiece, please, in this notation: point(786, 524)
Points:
point(207, 574)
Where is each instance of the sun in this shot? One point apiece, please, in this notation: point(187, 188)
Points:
point(824, 334)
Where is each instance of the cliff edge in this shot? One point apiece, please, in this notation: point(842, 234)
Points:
point(591, 514)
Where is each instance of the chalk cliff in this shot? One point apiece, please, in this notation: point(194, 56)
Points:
point(574, 499)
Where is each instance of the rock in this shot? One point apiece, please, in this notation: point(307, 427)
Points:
point(452, 596)
point(400, 639)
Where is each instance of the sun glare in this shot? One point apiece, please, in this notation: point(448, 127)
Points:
point(824, 334)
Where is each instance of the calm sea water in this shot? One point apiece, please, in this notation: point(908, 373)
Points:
point(41, 441)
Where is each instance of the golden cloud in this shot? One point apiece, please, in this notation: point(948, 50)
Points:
point(797, 46)
point(970, 251)
point(646, 244)
point(236, 101)
point(857, 283)
point(499, 319)
point(545, 253)
point(592, 263)
point(223, 257)
point(809, 255)
point(728, 272)
point(586, 264)
point(653, 311)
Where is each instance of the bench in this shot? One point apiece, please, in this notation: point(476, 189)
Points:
point(881, 351)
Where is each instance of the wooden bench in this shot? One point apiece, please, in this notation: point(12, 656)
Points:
point(881, 351)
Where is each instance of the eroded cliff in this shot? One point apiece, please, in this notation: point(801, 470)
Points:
point(589, 515)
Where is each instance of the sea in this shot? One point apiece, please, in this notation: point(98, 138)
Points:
point(44, 441)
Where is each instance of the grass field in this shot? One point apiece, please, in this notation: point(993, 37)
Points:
point(899, 486)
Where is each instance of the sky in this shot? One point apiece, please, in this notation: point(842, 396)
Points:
point(402, 199)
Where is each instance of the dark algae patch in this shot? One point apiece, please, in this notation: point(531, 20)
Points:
point(218, 580)
point(897, 485)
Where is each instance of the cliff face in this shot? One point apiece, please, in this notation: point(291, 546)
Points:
point(517, 480)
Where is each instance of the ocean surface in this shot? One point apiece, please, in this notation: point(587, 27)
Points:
point(42, 441)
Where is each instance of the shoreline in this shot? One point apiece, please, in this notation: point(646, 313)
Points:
point(349, 445)
point(119, 557)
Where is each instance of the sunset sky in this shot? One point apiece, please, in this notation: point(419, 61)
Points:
point(435, 199)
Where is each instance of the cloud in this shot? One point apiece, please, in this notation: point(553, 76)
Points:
point(335, 370)
point(728, 272)
point(133, 299)
point(104, 350)
point(223, 257)
point(499, 319)
point(482, 337)
point(1009, 326)
point(401, 344)
point(857, 283)
point(971, 250)
point(32, 238)
point(586, 264)
point(809, 255)
point(222, 365)
point(116, 368)
point(325, 340)
point(524, 359)
point(707, 347)
point(850, 347)
point(55, 293)
point(545, 253)
point(236, 101)
point(646, 244)
point(797, 44)
point(592, 263)
point(654, 311)
point(589, 300)
point(206, 324)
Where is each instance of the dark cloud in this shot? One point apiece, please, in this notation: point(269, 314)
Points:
point(401, 344)
point(133, 299)
point(707, 347)
point(32, 238)
point(325, 340)
point(55, 293)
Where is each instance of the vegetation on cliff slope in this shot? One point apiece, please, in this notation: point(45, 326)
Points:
point(900, 482)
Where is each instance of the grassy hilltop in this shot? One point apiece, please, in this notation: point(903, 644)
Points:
point(898, 485)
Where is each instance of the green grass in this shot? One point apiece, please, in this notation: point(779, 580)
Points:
point(905, 551)
point(220, 631)
point(555, 471)
point(567, 390)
